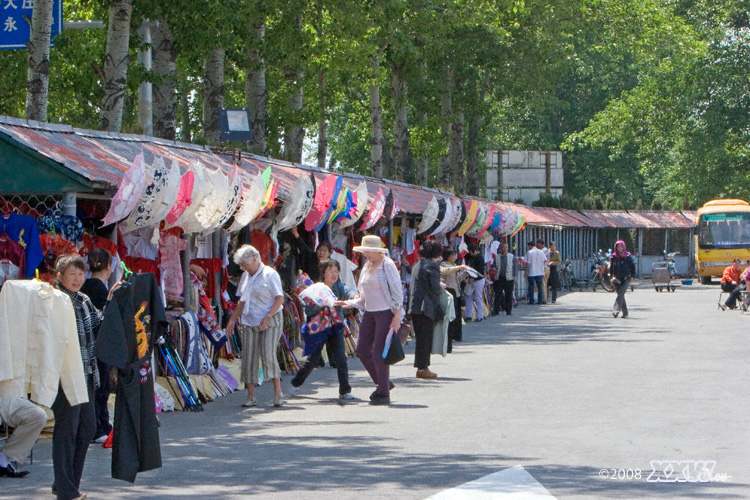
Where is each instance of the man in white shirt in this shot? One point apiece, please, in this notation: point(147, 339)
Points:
point(536, 263)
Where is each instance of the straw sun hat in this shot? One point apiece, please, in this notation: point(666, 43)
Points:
point(371, 243)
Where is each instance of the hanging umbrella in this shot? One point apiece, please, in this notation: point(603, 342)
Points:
point(497, 219)
point(341, 204)
point(429, 216)
point(510, 219)
point(471, 215)
point(459, 215)
point(350, 208)
point(375, 211)
point(456, 213)
point(252, 199)
point(519, 226)
point(269, 198)
point(483, 212)
point(446, 218)
point(128, 193)
point(155, 195)
point(442, 204)
point(387, 209)
point(298, 206)
point(360, 199)
point(488, 223)
point(214, 203)
point(322, 202)
point(200, 191)
point(184, 194)
point(331, 204)
point(233, 201)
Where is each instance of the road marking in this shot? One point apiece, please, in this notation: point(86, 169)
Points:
point(509, 484)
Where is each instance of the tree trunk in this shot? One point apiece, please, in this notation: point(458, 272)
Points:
point(322, 122)
point(37, 79)
point(472, 157)
point(376, 119)
point(116, 62)
point(185, 127)
point(444, 162)
point(401, 152)
point(294, 133)
point(213, 95)
point(256, 93)
point(457, 151)
point(164, 59)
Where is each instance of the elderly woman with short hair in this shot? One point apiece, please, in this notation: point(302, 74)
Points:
point(259, 311)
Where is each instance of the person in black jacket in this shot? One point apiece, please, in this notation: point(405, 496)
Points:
point(100, 265)
point(622, 269)
point(424, 304)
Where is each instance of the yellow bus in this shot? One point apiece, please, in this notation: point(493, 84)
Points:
point(722, 233)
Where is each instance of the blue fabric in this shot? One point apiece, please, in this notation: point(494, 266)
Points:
point(22, 229)
point(314, 341)
point(68, 226)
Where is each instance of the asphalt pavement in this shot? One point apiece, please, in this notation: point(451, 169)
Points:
point(653, 406)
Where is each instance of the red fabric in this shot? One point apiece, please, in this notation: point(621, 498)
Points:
point(413, 257)
point(265, 245)
point(139, 265)
point(92, 242)
point(13, 252)
point(211, 266)
point(57, 245)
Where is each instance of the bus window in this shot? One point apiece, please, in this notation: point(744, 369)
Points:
point(724, 230)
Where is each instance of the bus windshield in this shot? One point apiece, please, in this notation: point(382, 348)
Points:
point(724, 230)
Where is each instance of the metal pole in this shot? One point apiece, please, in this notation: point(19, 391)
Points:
point(69, 203)
point(187, 285)
point(145, 91)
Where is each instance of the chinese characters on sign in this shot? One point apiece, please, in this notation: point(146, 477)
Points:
point(15, 30)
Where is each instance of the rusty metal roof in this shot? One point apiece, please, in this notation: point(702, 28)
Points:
point(102, 158)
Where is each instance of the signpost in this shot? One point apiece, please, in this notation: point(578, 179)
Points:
point(15, 30)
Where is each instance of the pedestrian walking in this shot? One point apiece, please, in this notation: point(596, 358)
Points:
point(424, 304)
point(555, 260)
point(475, 260)
point(505, 270)
point(622, 269)
point(381, 298)
point(259, 310)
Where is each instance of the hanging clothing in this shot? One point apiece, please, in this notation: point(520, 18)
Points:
point(133, 321)
point(39, 344)
point(69, 227)
point(12, 260)
point(170, 247)
point(22, 229)
point(440, 333)
point(54, 244)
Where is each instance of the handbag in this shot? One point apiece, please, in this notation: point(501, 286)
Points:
point(395, 353)
point(404, 330)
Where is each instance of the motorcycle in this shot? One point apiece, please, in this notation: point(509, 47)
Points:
point(567, 279)
point(669, 263)
point(600, 271)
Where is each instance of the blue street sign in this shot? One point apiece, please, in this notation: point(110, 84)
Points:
point(15, 31)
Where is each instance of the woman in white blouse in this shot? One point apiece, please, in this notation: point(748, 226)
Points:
point(259, 311)
point(382, 298)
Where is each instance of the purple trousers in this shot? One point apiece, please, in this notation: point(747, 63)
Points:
point(372, 334)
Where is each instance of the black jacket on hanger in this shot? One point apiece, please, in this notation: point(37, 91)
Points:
point(133, 320)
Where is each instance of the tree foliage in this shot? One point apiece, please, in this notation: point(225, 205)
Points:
point(648, 99)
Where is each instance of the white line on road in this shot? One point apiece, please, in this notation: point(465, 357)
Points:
point(509, 484)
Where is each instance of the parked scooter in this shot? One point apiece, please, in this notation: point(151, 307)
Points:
point(669, 263)
point(600, 271)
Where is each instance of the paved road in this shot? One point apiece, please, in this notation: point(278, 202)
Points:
point(563, 390)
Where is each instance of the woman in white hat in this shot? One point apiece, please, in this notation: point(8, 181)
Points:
point(381, 298)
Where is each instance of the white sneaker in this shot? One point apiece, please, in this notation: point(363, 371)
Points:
point(278, 399)
point(294, 391)
point(347, 397)
point(250, 401)
point(101, 438)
